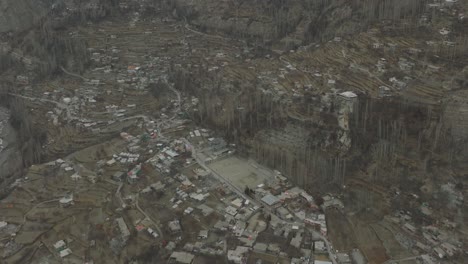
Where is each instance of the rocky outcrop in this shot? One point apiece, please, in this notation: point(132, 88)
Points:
point(293, 22)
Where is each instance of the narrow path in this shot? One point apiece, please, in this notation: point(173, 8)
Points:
point(73, 74)
point(394, 261)
point(147, 216)
point(33, 208)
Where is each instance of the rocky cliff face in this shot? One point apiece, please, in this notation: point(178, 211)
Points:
point(288, 24)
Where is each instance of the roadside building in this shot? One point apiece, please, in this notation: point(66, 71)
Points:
point(231, 210)
point(427, 259)
point(188, 211)
point(124, 232)
point(239, 228)
point(299, 261)
point(449, 249)
point(170, 246)
point(343, 258)
point(65, 252)
point(174, 227)
point(307, 197)
point(181, 257)
point(274, 248)
point(422, 247)
point(320, 247)
point(221, 225)
point(206, 210)
point(409, 227)
point(203, 234)
point(332, 203)
point(132, 176)
point(261, 247)
point(201, 172)
point(110, 162)
point(60, 245)
point(439, 252)
point(238, 254)
point(62, 249)
point(322, 262)
point(237, 202)
point(296, 241)
point(271, 200)
point(158, 186)
point(152, 233)
point(283, 213)
point(118, 176)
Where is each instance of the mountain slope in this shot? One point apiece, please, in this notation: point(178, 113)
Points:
point(19, 15)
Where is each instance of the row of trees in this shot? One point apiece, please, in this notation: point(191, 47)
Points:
point(381, 131)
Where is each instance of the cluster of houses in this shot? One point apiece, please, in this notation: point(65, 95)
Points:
point(62, 249)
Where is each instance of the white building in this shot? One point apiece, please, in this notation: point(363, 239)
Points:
point(65, 252)
point(203, 234)
point(238, 254)
point(181, 257)
point(322, 262)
